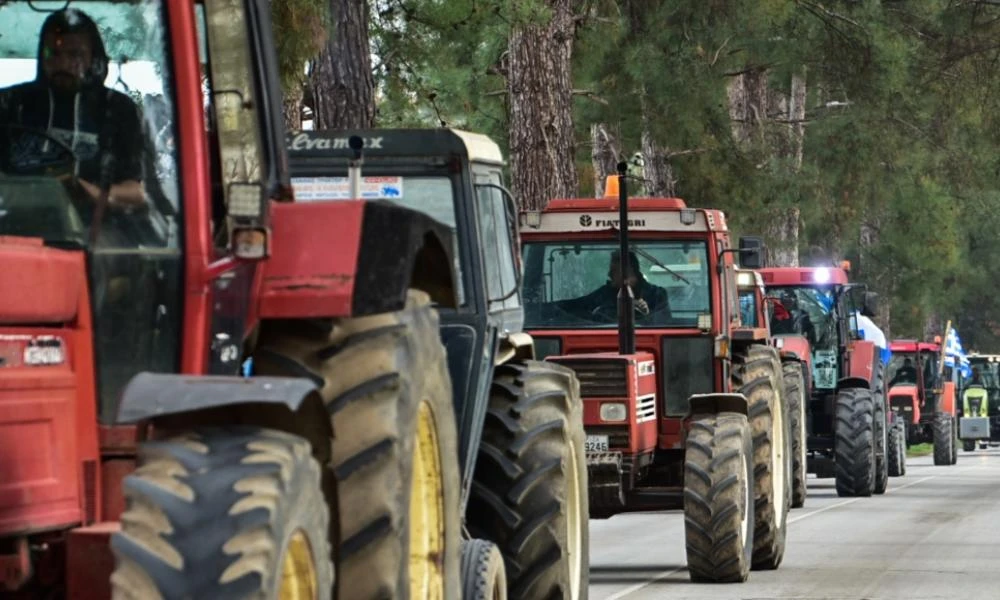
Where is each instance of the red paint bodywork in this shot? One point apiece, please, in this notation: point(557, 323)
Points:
point(642, 436)
point(311, 271)
point(60, 472)
point(898, 394)
point(779, 276)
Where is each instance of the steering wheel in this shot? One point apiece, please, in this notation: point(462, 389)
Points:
point(65, 163)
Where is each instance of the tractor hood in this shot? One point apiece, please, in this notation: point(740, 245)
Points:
point(38, 285)
point(903, 389)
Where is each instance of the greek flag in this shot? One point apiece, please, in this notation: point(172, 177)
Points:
point(954, 355)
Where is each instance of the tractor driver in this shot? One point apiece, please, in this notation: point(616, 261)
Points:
point(649, 299)
point(795, 320)
point(906, 374)
point(67, 101)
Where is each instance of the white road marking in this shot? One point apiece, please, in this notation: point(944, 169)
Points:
point(664, 574)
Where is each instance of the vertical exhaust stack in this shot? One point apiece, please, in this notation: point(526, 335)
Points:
point(354, 166)
point(626, 310)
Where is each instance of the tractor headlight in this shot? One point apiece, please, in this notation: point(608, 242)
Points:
point(613, 412)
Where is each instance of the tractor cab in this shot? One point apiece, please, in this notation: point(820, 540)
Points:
point(125, 127)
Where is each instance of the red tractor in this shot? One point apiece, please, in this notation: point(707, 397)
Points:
point(848, 423)
point(682, 405)
point(208, 390)
point(756, 308)
point(922, 393)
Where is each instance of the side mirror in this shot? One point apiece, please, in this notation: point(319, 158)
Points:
point(869, 307)
point(751, 252)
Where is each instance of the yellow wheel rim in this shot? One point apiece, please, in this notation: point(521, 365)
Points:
point(426, 511)
point(298, 571)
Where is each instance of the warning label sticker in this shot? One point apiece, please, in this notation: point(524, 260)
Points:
point(318, 189)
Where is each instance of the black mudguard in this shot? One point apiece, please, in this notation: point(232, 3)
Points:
point(401, 248)
point(151, 395)
point(714, 404)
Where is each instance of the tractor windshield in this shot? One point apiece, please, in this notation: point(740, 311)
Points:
point(575, 284)
point(87, 106)
point(902, 369)
point(86, 103)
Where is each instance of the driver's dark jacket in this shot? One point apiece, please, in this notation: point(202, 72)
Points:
point(607, 295)
point(87, 120)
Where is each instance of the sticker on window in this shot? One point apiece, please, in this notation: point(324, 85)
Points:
point(825, 369)
point(319, 189)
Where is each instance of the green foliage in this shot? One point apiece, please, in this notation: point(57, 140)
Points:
point(300, 30)
point(901, 134)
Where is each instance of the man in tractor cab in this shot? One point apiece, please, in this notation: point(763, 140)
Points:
point(975, 399)
point(67, 109)
point(649, 299)
point(906, 374)
point(793, 319)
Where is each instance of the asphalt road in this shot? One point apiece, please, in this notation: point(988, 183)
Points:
point(935, 534)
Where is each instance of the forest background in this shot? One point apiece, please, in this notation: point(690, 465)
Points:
point(864, 130)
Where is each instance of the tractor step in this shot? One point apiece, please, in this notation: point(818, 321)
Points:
point(89, 561)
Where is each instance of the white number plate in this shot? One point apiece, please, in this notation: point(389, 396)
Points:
point(596, 443)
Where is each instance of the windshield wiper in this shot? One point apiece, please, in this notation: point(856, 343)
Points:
point(653, 260)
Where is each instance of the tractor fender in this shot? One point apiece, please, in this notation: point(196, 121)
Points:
point(714, 404)
point(794, 345)
point(353, 258)
point(849, 383)
point(153, 395)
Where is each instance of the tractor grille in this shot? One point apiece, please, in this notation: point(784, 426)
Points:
point(617, 435)
point(600, 379)
point(903, 406)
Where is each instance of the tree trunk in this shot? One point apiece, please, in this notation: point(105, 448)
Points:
point(604, 155)
point(657, 171)
point(796, 116)
point(343, 87)
point(291, 108)
point(539, 84)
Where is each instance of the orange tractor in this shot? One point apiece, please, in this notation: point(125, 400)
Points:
point(922, 394)
point(756, 308)
point(681, 402)
point(208, 390)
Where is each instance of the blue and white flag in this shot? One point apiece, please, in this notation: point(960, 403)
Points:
point(954, 354)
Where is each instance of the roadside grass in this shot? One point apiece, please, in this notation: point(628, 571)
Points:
point(920, 450)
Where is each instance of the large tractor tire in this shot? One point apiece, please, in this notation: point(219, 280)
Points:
point(944, 439)
point(954, 441)
point(757, 375)
point(224, 513)
point(880, 433)
point(483, 575)
point(718, 498)
point(896, 452)
point(854, 443)
point(394, 458)
point(529, 491)
point(795, 398)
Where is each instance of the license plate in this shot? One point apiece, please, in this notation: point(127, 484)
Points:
point(596, 443)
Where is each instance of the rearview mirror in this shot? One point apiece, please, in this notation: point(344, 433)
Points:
point(751, 252)
point(869, 307)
